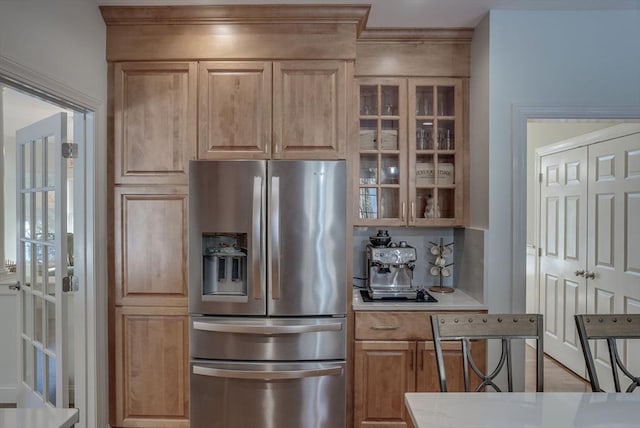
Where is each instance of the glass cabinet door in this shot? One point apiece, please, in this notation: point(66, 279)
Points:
point(435, 154)
point(382, 152)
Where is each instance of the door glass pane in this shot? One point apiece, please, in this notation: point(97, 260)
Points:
point(39, 165)
point(27, 199)
point(27, 369)
point(50, 274)
point(38, 369)
point(390, 203)
point(51, 327)
point(27, 313)
point(52, 157)
point(38, 309)
point(27, 263)
point(368, 202)
point(39, 208)
point(51, 215)
point(38, 282)
point(27, 156)
point(390, 135)
point(51, 379)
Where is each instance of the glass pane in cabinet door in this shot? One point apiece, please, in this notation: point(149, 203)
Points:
point(424, 101)
point(446, 101)
point(368, 169)
point(368, 202)
point(424, 202)
point(446, 135)
point(425, 171)
point(389, 202)
point(389, 169)
point(446, 170)
point(390, 101)
point(368, 134)
point(390, 135)
point(424, 134)
point(446, 203)
point(368, 100)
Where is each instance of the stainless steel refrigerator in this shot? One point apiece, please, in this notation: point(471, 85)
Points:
point(267, 294)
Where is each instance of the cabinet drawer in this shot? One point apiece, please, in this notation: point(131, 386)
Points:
point(393, 326)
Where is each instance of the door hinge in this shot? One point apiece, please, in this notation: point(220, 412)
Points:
point(69, 150)
point(539, 252)
point(540, 177)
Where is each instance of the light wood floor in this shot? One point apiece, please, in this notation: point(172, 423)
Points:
point(557, 378)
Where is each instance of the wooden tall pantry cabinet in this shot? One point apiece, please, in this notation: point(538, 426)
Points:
point(201, 82)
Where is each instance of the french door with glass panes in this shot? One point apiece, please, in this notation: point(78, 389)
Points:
point(42, 262)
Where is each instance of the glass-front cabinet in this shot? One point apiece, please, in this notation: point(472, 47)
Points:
point(410, 152)
point(382, 181)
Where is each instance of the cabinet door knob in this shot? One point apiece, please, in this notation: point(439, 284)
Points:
point(579, 272)
point(590, 275)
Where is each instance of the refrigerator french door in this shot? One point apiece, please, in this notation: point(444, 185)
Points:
point(267, 293)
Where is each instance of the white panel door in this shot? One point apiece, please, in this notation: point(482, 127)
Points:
point(613, 267)
point(563, 225)
point(42, 263)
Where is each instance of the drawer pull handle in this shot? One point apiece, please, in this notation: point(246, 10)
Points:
point(384, 327)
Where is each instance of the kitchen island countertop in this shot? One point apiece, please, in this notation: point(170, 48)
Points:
point(456, 301)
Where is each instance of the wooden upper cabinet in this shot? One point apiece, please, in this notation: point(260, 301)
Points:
point(235, 110)
point(308, 120)
point(154, 121)
point(309, 109)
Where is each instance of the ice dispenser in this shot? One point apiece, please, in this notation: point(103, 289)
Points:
point(224, 265)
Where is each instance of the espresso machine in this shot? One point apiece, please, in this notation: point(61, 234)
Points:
point(390, 270)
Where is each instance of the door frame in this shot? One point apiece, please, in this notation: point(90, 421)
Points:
point(93, 379)
point(519, 117)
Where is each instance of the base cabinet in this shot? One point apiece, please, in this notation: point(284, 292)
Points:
point(394, 354)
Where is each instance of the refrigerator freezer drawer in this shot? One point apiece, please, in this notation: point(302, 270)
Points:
point(268, 339)
point(283, 395)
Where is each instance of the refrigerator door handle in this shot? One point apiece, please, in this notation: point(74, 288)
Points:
point(265, 329)
point(256, 245)
point(266, 374)
point(274, 236)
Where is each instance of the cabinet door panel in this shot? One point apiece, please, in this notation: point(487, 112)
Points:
point(151, 246)
point(154, 121)
point(235, 110)
point(309, 116)
point(151, 367)
point(384, 371)
point(427, 377)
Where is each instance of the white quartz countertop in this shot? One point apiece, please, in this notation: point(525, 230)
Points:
point(38, 418)
point(523, 409)
point(456, 301)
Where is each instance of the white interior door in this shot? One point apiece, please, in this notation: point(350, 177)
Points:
point(563, 226)
point(614, 233)
point(42, 263)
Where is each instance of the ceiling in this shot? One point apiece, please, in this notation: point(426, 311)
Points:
point(418, 13)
